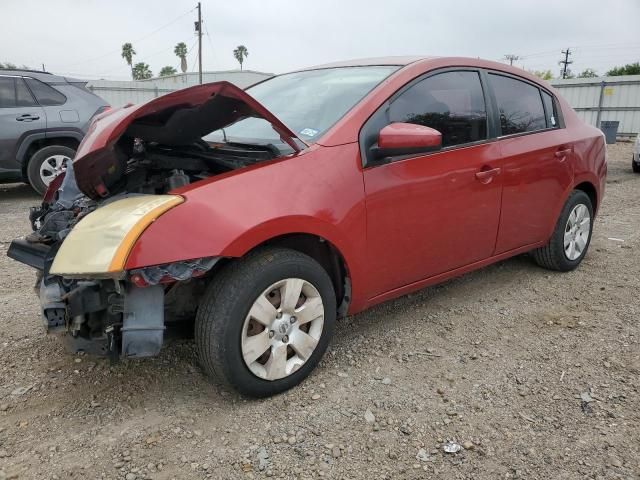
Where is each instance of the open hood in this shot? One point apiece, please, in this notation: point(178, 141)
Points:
point(176, 119)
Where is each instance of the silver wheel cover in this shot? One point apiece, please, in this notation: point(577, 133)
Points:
point(577, 231)
point(282, 329)
point(52, 167)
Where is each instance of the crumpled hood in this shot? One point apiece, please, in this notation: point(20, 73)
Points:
point(176, 119)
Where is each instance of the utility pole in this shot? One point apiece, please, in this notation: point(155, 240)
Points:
point(199, 30)
point(512, 58)
point(566, 62)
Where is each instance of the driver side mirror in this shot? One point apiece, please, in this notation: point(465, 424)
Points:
point(397, 139)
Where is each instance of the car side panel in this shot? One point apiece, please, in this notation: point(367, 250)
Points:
point(430, 214)
point(318, 192)
point(13, 131)
point(535, 181)
point(590, 159)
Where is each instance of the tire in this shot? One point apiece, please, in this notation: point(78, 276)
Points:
point(635, 166)
point(553, 255)
point(55, 152)
point(223, 315)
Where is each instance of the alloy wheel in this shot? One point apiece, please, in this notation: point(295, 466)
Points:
point(52, 167)
point(577, 231)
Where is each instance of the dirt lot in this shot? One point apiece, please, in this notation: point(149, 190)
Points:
point(535, 372)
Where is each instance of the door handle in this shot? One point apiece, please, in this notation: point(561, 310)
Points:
point(485, 176)
point(561, 153)
point(27, 117)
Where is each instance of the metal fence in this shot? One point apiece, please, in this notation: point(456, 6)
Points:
point(605, 98)
point(119, 93)
point(594, 99)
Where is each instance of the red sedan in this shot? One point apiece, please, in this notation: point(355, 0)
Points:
point(266, 214)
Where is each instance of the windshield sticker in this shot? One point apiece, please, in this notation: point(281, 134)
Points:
point(309, 132)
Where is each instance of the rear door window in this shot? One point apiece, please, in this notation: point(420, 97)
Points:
point(451, 102)
point(23, 95)
point(14, 93)
point(45, 94)
point(7, 92)
point(519, 105)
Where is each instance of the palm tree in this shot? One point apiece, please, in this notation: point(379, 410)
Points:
point(240, 53)
point(168, 70)
point(141, 71)
point(127, 53)
point(181, 53)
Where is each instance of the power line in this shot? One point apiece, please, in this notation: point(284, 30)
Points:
point(195, 59)
point(206, 30)
point(581, 48)
point(134, 41)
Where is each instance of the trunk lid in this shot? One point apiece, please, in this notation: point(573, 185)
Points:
point(176, 119)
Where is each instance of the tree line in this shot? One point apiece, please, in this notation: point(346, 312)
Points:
point(142, 71)
point(628, 69)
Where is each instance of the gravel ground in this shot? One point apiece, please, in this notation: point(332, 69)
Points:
point(535, 373)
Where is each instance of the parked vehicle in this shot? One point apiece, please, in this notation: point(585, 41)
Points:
point(43, 118)
point(635, 159)
point(267, 214)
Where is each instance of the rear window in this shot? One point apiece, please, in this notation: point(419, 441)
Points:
point(45, 94)
point(14, 93)
point(519, 104)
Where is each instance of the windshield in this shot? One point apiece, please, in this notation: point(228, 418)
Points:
point(307, 102)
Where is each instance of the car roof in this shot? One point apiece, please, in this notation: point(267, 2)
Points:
point(363, 62)
point(45, 77)
point(435, 62)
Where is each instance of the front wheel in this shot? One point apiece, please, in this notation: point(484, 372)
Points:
point(265, 321)
point(635, 166)
point(570, 240)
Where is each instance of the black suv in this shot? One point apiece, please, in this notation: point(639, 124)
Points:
point(43, 118)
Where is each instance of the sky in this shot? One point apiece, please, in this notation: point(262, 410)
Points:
point(83, 38)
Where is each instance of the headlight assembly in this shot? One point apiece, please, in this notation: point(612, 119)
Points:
point(98, 246)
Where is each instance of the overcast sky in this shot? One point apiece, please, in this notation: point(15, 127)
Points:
point(83, 38)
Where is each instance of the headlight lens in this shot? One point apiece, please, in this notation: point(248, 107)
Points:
point(100, 243)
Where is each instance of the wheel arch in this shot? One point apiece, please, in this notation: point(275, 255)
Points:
point(590, 189)
point(32, 143)
point(323, 251)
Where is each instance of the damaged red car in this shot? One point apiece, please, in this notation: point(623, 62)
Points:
point(267, 214)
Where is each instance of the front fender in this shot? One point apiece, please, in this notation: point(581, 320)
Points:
point(170, 238)
point(231, 214)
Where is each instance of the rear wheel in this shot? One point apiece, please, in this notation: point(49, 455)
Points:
point(635, 166)
point(46, 164)
point(570, 239)
point(265, 321)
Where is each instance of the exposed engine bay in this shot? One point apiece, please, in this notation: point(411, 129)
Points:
point(125, 317)
point(146, 167)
